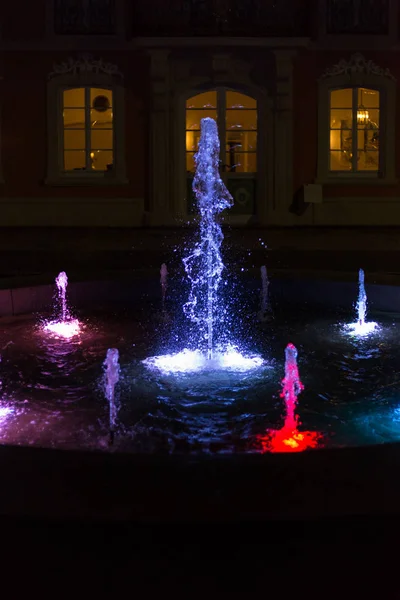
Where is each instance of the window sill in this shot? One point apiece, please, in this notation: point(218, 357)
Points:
point(89, 181)
point(357, 181)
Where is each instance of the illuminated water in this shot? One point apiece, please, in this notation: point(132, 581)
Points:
point(362, 327)
point(203, 263)
point(63, 325)
point(111, 375)
point(53, 389)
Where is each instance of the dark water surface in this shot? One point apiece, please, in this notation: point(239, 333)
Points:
point(53, 389)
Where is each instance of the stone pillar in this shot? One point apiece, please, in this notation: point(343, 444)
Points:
point(283, 139)
point(159, 210)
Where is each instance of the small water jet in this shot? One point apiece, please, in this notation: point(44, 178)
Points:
point(112, 372)
point(65, 326)
point(361, 327)
point(289, 438)
point(164, 285)
point(204, 266)
point(265, 312)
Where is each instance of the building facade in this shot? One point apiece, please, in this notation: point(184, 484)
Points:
point(101, 102)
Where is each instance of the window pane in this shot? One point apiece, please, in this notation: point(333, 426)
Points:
point(236, 100)
point(205, 100)
point(241, 162)
point(193, 117)
point(101, 119)
point(369, 117)
point(74, 139)
point(241, 119)
point(74, 97)
point(100, 99)
point(368, 161)
point(243, 140)
point(340, 161)
point(368, 98)
point(192, 140)
point(368, 139)
point(101, 160)
point(74, 117)
point(342, 98)
point(102, 139)
point(341, 118)
point(74, 160)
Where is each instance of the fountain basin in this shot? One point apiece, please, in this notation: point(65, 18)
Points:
point(52, 389)
point(204, 423)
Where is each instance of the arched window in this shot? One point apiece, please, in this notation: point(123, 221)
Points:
point(236, 116)
point(356, 113)
point(85, 124)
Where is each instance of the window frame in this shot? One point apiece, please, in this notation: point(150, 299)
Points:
point(386, 86)
point(354, 133)
point(222, 112)
point(55, 130)
point(87, 129)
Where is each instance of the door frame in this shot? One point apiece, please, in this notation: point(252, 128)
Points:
point(264, 176)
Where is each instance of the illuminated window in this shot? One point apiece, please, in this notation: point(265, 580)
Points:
point(236, 115)
point(197, 108)
point(88, 133)
point(241, 133)
point(356, 123)
point(354, 130)
point(85, 123)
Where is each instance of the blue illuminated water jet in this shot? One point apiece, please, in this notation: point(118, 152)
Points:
point(204, 264)
point(361, 327)
point(204, 267)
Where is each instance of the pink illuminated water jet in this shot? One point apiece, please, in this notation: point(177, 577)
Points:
point(290, 438)
point(65, 326)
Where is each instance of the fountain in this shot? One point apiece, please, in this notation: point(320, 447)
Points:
point(361, 327)
point(265, 312)
point(289, 438)
point(204, 264)
point(204, 267)
point(112, 371)
point(65, 326)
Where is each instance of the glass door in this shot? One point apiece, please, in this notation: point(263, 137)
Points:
point(236, 116)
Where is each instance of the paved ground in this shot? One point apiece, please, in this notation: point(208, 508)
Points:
point(37, 254)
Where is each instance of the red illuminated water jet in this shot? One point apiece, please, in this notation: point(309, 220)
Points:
point(289, 438)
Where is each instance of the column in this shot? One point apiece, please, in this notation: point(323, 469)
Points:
point(283, 139)
point(159, 172)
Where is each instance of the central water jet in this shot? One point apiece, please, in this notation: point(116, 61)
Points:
point(204, 264)
point(211, 348)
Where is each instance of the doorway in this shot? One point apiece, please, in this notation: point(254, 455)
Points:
point(236, 117)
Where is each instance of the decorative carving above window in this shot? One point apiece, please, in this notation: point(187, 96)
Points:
point(84, 17)
point(357, 64)
point(358, 16)
point(85, 64)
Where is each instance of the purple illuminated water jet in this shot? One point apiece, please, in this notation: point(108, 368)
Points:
point(65, 326)
point(112, 372)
